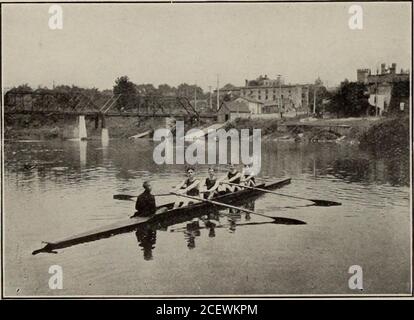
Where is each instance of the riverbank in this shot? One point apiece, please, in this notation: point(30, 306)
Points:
point(389, 137)
point(376, 134)
point(34, 127)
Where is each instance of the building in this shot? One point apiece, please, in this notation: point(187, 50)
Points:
point(380, 85)
point(387, 75)
point(239, 108)
point(275, 95)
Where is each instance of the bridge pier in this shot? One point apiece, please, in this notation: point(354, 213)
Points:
point(103, 121)
point(82, 127)
point(96, 121)
point(101, 117)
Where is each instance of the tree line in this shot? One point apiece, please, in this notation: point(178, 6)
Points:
point(350, 99)
point(131, 94)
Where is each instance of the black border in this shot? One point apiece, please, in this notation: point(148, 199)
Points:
point(209, 299)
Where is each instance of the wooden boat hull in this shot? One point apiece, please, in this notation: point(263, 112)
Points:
point(133, 223)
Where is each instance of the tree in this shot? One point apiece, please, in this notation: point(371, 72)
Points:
point(166, 90)
point(228, 86)
point(145, 89)
point(321, 94)
point(126, 89)
point(400, 93)
point(188, 91)
point(351, 100)
point(22, 88)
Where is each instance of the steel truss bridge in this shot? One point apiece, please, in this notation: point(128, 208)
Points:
point(67, 104)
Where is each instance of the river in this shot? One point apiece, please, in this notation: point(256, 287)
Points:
point(54, 189)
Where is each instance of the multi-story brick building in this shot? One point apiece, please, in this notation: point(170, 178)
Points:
point(275, 95)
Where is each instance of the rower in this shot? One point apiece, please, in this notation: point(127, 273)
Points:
point(145, 205)
point(211, 184)
point(248, 176)
point(233, 176)
point(189, 186)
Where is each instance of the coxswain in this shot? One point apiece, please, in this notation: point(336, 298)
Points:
point(145, 205)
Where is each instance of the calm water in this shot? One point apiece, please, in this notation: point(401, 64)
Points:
point(55, 189)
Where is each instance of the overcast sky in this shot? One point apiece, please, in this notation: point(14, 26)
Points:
point(164, 43)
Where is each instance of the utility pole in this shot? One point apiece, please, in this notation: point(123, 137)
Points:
point(314, 98)
point(195, 96)
point(210, 102)
point(218, 93)
point(376, 93)
point(280, 95)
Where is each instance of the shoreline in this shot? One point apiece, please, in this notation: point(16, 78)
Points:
point(370, 132)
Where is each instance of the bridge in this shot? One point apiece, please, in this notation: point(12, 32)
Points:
point(336, 129)
point(69, 104)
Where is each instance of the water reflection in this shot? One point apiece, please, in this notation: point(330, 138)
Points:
point(127, 159)
point(146, 237)
point(194, 224)
point(347, 163)
point(83, 144)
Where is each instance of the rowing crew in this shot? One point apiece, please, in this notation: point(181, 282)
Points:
point(191, 186)
point(212, 185)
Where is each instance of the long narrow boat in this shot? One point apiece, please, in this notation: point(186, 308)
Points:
point(133, 223)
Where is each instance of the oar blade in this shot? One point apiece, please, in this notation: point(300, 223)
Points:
point(123, 197)
point(288, 221)
point(325, 203)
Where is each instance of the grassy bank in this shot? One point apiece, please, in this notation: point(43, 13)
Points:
point(388, 137)
point(376, 134)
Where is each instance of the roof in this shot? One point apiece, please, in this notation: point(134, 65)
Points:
point(271, 103)
point(275, 86)
point(236, 106)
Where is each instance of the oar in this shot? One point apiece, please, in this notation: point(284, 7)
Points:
point(276, 219)
point(130, 197)
point(318, 202)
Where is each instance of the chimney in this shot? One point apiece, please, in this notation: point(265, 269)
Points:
point(382, 68)
point(246, 82)
point(393, 68)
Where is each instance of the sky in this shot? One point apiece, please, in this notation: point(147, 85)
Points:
point(193, 43)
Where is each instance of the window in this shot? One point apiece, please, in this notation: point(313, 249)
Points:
point(259, 92)
point(274, 97)
point(267, 97)
point(260, 98)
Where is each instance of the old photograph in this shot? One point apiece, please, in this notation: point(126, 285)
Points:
point(206, 149)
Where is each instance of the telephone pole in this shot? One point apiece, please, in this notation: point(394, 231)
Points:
point(210, 102)
point(218, 93)
point(195, 96)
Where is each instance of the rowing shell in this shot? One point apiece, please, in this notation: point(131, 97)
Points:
point(132, 223)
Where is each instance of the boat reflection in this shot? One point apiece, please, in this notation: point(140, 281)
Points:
point(196, 224)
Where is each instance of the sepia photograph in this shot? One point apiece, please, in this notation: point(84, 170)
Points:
point(206, 149)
